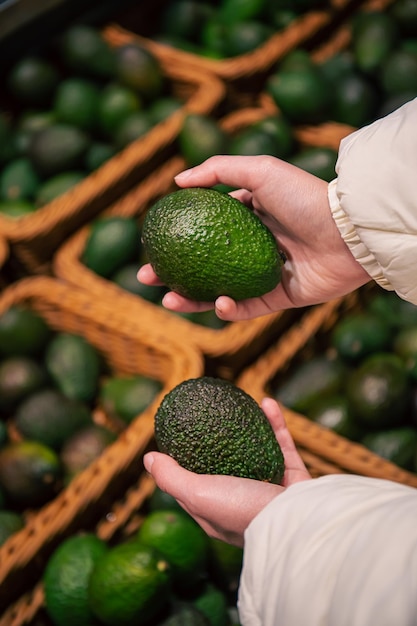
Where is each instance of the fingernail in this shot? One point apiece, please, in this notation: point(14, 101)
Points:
point(183, 175)
point(148, 461)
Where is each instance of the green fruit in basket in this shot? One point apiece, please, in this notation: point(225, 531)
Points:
point(185, 614)
point(111, 243)
point(302, 94)
point(23, 332)
point(201, 137)
point(140, 70)
point(126, 397)
point(50, 417)
point(333, 411)
point(15, 209)
point(83, 447)
point(130, 585)
point(245, 36)
point(319, 161)
point(76, 102)
point(20, 376)
point(355, 100)
point(309, 380)
point(379, 391)
point(212, 602)
point(56, 186)
point(163, 107)
point(97, 154)
point(210, 426)
point(116, 103)
point(30, 473)
point(19, 180)
point(10, 522)
point(399, 72)
point(184, 19)
point(181, 541)
point(74, 366)
point(134, 126)
point(397, 445)
point(58, 148)
point(359, 334)
point(374, 36)
point(83, 50)
point(32, 81)
point(126, 278)
point(66, 579)
point(237, 10)
point(203, 243)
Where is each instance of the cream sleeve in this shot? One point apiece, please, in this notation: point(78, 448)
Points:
point(339, 550)
point(374, 199)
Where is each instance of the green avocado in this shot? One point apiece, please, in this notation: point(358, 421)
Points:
point(210, 426)
point(203, 243)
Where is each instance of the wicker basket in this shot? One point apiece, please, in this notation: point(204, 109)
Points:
point(244, 75)
point(127, 348)
point(121, 521)
point(230, 348)
point(258, 379)
point(33, 238)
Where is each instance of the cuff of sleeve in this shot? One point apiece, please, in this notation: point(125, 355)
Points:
point(350, 236)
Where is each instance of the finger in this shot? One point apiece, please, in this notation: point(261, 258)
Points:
point(293, 460)
point(147, 276)
point(167, 473)
point(175, 302)
point(236, 171)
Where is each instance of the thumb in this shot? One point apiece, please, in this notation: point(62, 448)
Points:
point(166, 472)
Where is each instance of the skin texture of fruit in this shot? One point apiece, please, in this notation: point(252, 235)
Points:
point(210, 426)
point(202, 243)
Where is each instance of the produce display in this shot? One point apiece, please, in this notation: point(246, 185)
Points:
point(166, 572)
point(70, 108)
point(360, 381)
point(61, 405)
point(67, 110)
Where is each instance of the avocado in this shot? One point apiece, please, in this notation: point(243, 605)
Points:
point(57, 148)
point(74, 365)
point(210, 426)
point(140, 70)
point(83, 447)
point(50, 417)
point(185, 614)
point(125, 397)
point(10, 522)
point(374, 36)
point(32, 81)
point(112, 242)
point(30, 473)
point(19, 377)
point(56, 186)
point(203, 243)
point(23, 332)
point(379, 391)
point(359, 334)
point(201, 137)
point(310, 380)
point(397, 445)
point(19, 180)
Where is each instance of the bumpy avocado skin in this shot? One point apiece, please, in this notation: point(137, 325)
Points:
point(210, 426)
point(202, 243)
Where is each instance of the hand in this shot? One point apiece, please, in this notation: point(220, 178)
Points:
point(294, 205)
point(225, 505)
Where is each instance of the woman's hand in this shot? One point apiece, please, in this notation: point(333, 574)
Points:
point(294, 205)
point(225, 505)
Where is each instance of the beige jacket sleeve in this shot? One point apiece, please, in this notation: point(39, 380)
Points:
point(338, 550)
point(374, 199)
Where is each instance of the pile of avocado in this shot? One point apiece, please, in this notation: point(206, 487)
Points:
point(370, 77)
point(61, 405)
point(221, 29)
point(360, 378)
point(69, 108)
